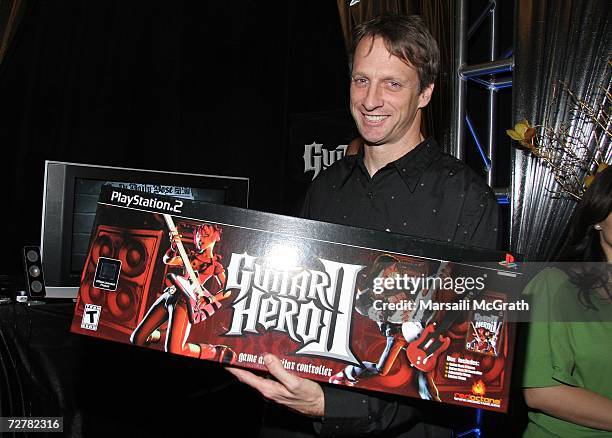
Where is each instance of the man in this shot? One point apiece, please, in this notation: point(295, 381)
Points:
point(398, 182)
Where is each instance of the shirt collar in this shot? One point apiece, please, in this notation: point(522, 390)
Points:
point(410, 167)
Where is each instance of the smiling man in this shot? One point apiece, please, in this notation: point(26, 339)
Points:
point(398, 182)
point(386, 101)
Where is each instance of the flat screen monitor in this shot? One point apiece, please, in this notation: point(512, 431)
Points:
point(70, 198)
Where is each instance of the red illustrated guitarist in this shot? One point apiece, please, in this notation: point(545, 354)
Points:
point(189, 299)
point(399, 327)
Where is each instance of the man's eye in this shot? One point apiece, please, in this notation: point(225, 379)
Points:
point(393, 84)
point(360, 81)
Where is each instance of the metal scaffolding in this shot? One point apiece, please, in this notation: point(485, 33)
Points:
point(485, 75)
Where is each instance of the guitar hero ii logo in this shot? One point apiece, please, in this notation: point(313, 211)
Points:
point(317, 158)
point(313, 307)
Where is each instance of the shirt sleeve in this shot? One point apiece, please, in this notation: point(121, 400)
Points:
point(549, 360)
point(351, 413)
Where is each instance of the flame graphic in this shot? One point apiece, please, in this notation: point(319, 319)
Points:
point(479, 388)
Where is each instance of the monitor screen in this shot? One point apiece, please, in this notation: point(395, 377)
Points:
point(70, 201)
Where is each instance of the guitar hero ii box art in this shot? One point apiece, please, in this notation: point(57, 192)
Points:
point(340, 305)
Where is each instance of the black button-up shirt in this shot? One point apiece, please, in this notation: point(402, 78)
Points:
point(425, 193)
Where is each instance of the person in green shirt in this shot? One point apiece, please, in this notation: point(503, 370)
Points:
point(567, 377)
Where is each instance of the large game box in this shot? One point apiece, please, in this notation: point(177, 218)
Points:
point(341, 305)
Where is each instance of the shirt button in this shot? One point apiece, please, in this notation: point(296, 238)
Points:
point(435, 211)
point(370, 195)
point(392, 197)
point(387, 230)
point(404, 169)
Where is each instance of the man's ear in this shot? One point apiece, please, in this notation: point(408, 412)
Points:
point(425, 95)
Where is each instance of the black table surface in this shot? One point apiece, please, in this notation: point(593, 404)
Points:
point(104, 389)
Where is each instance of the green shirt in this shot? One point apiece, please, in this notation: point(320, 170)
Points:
point(571, 353)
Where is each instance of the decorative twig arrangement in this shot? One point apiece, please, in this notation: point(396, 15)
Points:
point(576, 149)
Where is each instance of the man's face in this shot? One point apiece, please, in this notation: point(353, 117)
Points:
point(385, 95)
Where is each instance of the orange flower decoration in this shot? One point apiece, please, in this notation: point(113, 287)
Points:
point(524, 133)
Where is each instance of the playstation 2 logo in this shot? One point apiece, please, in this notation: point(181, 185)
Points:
point(509, 262)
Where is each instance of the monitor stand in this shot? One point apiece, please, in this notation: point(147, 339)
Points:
point(61, 291)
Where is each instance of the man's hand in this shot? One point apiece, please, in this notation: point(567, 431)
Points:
point(301, 395)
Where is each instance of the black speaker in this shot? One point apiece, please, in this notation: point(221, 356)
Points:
point(34, 278)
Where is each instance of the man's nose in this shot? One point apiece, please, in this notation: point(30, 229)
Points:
point(373, 98)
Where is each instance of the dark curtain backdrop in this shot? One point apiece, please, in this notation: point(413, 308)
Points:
point(439, 17)
point(11, 12)
point(560, 40)
point(199, 87)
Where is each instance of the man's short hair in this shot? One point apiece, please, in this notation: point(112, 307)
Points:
point(406, 37)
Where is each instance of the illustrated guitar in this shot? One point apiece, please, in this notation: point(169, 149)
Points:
point(423, 352)
point(200, 303)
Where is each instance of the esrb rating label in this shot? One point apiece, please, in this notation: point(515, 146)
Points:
point(91, 316)
point(31, 424)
